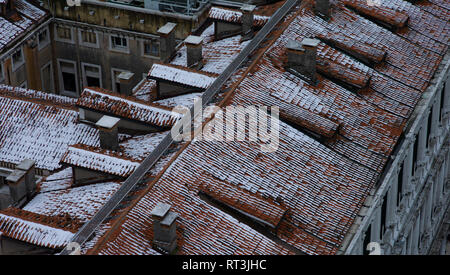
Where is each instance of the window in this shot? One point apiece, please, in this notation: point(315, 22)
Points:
point(43, 39)
point(2, 74)
point(400, 185)
point(24, 85)
point(429, 125)
point(17, 59)
point(442, 103)
point(64, 34)
point(119, 43)
point(383, 216)
point(47, 77)
point(91, 75)
point(415, 153)
point(68, 77)
point(367, 239)
point(150, 48)
point(88, 38)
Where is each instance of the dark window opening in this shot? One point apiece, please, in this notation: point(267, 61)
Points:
point(383, 216)
point(415, 153)
point(367, 240)
point(429, 125)
point(69, 82)
point(92, 81)
point(400, 185)
point(441, 107)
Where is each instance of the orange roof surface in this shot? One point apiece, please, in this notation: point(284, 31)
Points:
point(310, 189)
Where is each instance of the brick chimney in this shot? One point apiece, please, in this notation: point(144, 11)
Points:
point(194, 51)
point(302, 59)
point(164, 228)
point(247, 21)
point(167, 41)
point(28, 166)
point(322, 9)
point(108, 132)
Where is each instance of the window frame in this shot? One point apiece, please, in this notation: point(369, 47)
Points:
point(88, 44)
point(119, 49)
point(143, 42)
point(61, 81)
point(83, 71)
point(52, 80)
point(15, 66)
point(44, 44)
point(57, 38)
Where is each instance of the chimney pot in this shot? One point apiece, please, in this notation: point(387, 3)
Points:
point(164, 228)
point(167, 41)
point(302, 58)
point(125, 80)
point(194, 51)
point(322, 9)
point(108, 132)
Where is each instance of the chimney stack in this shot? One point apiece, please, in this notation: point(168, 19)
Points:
point(17, 187)
point(164, 228)
point(247, 21)
point(108, 132)
point(167, 41)
point(28, 166)
point(194, 50)
point(302, 58)
point(322, 9)
point(124, 82)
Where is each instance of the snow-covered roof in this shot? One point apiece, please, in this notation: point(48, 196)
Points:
point(181, 75)
point(99, 160)
point(322, 182)
point(126, 107)
point(37, 233)
point(235, 16)
point(27, 15)
point(32, 127)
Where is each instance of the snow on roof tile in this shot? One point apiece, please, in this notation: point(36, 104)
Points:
point(181, 75)
point(234, 16)
point(126, 107)
point(34, 232)
point(80, 203)
point(39, 131)
point(28, 15)
point(99, 160)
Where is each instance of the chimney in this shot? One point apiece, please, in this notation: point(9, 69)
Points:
point(322, 9)
point(167, 41)
point(125, 81)
point(247, 21)
point(194, 48)
point(302, 59)
point(28, 166)
point(108, 132)
point(17, 186)
point(164, 228)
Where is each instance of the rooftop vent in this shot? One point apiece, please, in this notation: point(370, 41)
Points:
point(125, 81)
point(322, 8)
point(164, 228)
point(167, 41)
point(302, 59)
point(194, 51)
point(108, 132)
